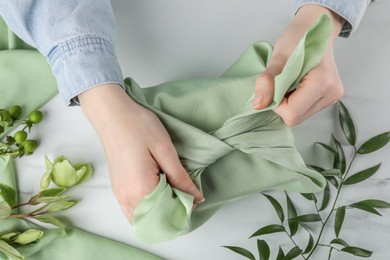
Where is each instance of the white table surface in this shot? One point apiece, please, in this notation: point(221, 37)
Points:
point(160, 41)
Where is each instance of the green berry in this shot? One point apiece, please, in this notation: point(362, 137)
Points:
point(4, 115)
point(29, 146)
point(15, 111)
point(20, 136)
point(35, 117)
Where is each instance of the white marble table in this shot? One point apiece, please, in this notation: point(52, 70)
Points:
point(169, 40)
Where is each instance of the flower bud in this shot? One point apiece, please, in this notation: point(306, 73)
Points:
point(20, 136)
point(29, 146)
point(5, 118)
point(15, 111)
point(28, 236)
point(35, 117)
point(64, 174)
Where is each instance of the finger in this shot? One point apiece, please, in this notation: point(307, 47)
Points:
point(304, 102)
point(128, 213)
point(168, 160)
point(264, 91)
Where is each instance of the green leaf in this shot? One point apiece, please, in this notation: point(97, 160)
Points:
point(280, 255)
point(325, 197)
point(309, 196)
point(376, 203)
point(50, 199)
point(241, 251)
point(310, 244)
point(61, 205)
point(53, 192)
point(50, 220)
point(374, 144)
point(29, 236)
point(46, 179)
point(278, 208)
point(48, 163)
point(263, 249)
point(9, 251)
point(365, 208)
point(307, 218)
point(291, 213)
point(86, 174)
point(8, 194)
point(362, 175)
point(315, 167)
point(274, 228)
point(294, 252)
point(357, 251)
point(331, 172)
point(333, 181)
point(347, 124)
point(339, 158)
point(338, 221)
point(339, 241)
point(9, 237)
point(5, 210)
point(327, 147)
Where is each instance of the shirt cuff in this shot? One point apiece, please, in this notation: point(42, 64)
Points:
point(351, 10)
point(83, 63)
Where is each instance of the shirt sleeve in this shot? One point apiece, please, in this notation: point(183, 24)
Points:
point(351, 10)
point(77, 37)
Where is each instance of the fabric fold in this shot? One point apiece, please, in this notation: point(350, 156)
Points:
point(229, 149)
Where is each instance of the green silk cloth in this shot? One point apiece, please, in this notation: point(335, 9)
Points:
point(26, 79)
point(229, 149)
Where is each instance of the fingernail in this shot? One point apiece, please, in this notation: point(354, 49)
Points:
point(194, 206)
point(257, 101)
point(200, 201)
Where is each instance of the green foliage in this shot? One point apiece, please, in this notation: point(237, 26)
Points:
point(49, 200)
point(18, 144)
point(338, 177)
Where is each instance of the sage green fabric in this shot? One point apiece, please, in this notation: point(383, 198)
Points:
point(229, 149)
point(25, 76)
point(26, 79)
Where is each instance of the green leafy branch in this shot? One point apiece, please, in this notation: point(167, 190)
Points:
point(63, 175)
point(337, 177)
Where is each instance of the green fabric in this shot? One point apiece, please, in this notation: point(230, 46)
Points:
point(26, 79)
point(229, 149)
point(25, 76)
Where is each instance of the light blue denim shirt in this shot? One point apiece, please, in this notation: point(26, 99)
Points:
point(78, 37)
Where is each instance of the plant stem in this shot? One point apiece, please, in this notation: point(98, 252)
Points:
point(19, 216)
point(330, 253)
point(334, 205)
point(21, 205)
point(292, 240)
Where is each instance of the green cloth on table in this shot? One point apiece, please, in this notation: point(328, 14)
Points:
point(229, 149)
point(26, 79)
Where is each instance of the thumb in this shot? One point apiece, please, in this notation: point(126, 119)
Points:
point(264, 91)
point(178, 177)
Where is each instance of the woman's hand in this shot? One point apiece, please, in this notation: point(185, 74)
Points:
point(320, 87)
point(137, 146)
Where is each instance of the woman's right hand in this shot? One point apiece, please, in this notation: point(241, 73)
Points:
point(137, 147)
